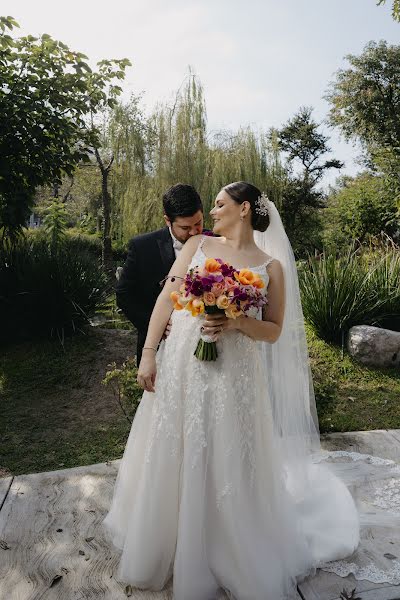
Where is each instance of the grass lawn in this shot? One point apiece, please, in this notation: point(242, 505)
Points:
point(55, 413)
point(351, 397)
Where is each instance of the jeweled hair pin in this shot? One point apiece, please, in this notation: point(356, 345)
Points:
point(262, 205)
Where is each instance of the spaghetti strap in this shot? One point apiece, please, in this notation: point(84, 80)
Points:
point(268, 262)
point(203, 239)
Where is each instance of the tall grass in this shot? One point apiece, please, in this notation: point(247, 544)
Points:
point(384, 284)
point(341, 291)
point(47, 292)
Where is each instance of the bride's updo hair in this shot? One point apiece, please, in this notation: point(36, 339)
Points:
point(240, 191)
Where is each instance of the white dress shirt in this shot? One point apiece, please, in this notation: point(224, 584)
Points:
point(176, 243)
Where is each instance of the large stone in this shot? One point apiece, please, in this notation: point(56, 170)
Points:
point(374, 346)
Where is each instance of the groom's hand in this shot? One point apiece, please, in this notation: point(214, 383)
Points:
point(167, 330)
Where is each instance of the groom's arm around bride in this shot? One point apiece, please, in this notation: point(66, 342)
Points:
point(151, 256)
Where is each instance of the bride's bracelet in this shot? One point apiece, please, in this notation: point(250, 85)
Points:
point(149, 348)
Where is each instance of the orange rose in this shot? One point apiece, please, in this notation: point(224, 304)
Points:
point(246, 276)
point(259, 283)
point(175, 297)
point(212, 265)
point(223, 302)
point(209, 299)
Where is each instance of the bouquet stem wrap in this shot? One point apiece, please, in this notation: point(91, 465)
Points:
point(206, 348)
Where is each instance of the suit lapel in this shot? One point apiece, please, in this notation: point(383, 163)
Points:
point(166, 249)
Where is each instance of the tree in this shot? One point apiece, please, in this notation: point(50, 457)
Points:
point(304, 144)
point(365, 98)
point(47, 97)
point(395, 8)
point(305, 148)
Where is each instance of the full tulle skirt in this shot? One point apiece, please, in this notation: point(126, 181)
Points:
point(203, 494)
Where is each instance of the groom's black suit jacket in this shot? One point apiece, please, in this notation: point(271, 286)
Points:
point(150, 258)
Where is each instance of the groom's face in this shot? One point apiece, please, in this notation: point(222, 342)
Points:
point(185, 227)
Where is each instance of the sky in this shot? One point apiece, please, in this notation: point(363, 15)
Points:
point(258, 60)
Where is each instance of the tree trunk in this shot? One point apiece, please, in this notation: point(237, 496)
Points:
point(106, 237)
point(106, 251)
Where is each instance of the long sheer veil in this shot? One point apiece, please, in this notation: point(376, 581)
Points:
point(291, 389)
point(315, 477)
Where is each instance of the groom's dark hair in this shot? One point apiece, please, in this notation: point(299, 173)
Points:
point(181, 200)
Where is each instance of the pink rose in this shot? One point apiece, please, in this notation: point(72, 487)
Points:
point(218, 288)
point(209, 299)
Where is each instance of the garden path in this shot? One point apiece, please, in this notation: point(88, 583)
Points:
point(51, 545)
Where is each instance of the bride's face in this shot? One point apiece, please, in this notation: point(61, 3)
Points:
point(225, 214)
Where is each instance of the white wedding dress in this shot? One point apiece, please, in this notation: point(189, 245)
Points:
point(202, 493)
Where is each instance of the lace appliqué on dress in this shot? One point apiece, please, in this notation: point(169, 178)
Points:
point(376, 486)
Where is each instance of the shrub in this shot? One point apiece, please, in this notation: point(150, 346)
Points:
point(127, 392)
point(341, 291)
point(47, 291)
point(384, 283)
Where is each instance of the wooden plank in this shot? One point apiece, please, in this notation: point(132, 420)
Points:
point(5, 483)
point(380, 442)
point(327, 586)
point(51, 524)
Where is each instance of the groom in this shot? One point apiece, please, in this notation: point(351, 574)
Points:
point(151, 256)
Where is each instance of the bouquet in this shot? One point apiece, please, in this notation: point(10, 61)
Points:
point(218, 288)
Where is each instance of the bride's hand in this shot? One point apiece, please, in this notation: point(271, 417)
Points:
point(216, 324)
point(146, 376)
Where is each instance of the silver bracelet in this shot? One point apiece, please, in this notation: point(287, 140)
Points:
point(149, 348)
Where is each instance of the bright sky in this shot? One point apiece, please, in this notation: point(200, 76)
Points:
point(258, 60)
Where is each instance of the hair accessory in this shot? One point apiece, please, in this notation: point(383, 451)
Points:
point(262, 204)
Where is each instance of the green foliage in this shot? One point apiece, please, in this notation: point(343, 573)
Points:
point(334, 294)
point(365, 97)
point(395, 8)
point(339, 292)
point(305, 148)
point(350, 396)
point(55, 222)
point(384, 282)
point(47, 291)
point(49, 94)
point(175, 145)
point(303, 143)
point(123, 382)
point(360, 208)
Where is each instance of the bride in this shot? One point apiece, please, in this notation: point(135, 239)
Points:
point(219, 485)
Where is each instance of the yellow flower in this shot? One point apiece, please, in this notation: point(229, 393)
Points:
point(197, 307)
point(223, 302)
point(233, 312)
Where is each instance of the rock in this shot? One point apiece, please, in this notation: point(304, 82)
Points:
point(374, 346)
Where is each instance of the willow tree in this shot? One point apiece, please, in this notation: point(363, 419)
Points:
point(153, 154)
point(173, 145)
